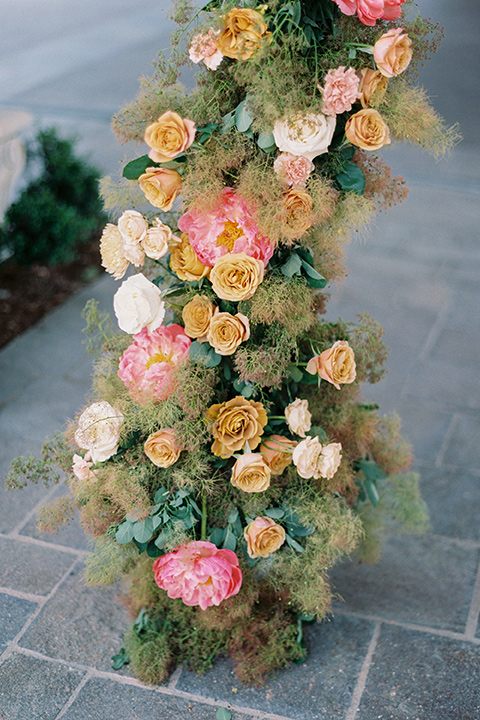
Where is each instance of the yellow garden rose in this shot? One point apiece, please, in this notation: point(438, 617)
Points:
point(162, 448)
point(169, 136)
point(236, 276)
point(242, 34)
point(335, 365)
point(367, 130)
point(373, 86)
point(227, 332)
point(235, 423)
point(277, 453)
point(160, 186)
point(184, 262)
point(263, 537)
point(196, 316)
point(251, 473)
point(297, 215)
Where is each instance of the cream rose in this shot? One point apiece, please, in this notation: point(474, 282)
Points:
point(111, 250)
point(367, 130)
point(183, 260)
point(162, 448)
point(138, 303)
point(134, 254)
point(160, 186)
point(196, 316)
point(227, 332)
point(236, 276)
point(132, 226)
point(277, 453)
point(235, 423)
point(329, 460)
point(298, 417)
point(335, 365)
point(307, 135)
point(263, 537)
point(169, 136)
point(156, 242)
point(98, 430)
point(306, 457)
point(373, 86)
point(393, 52)
point(251, 473)
point(81, 467)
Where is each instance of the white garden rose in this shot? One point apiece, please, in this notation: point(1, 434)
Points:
point(138, 303)
point(329, 460)
point(306, 456)
point(133, 227)
point(155, 243)
point(298, 417)
point(307, 135)
point(99, 430)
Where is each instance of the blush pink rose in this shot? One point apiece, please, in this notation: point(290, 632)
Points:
point(293, 169)
point(340, 91)
point(199, 573)
point(203, 48)
point(229, 228)
point(147, 366)
point(81, 467)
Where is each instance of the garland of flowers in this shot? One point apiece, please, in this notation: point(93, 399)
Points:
point(227, 444)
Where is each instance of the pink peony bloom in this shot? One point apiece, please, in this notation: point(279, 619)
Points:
point(392, 9)
point(348, 7)
point(147, 365)
point(369, 11)
point(229, 228)
point(340, 91)
point(293, 169)
point(203, 47)
point(199, 573)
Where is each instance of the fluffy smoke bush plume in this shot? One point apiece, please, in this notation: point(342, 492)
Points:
point(391, 451)
point(291, 303)
point(119, 194)
point(266, 363)
point(55, 514)
point(380, 187)
point(108, 561)
point(370, 351)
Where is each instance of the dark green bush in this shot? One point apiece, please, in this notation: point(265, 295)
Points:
point(58, 211)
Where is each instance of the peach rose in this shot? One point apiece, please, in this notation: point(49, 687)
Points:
point(251, 473)
point(393, 52)
point(183, 260)
point(169, 136)
point(157, 239)
point(160, 186)
point(235, 423)
point(163, 448)
point(263, 537)
point(196, 316)
point(329, 460)
point(306, 457)
point(242, 33)
point(236, 276)
point(373, 86)
point(298, 417)
point(81, 467)
point(227, 332)
point(335, 365)
point(367, 130)
point(298, 212)
point(277, 453)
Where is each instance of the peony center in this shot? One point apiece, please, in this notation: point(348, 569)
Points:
point(158, 358)
point(231, 233)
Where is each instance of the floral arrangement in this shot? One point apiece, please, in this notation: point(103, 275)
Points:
point(226, 460)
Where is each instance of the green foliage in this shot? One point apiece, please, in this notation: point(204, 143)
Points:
point(58, 211)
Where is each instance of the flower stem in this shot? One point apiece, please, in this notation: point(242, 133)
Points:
point(203, 534)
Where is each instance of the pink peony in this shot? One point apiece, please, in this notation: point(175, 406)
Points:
point(147, 365)
point(199, 573)
point(392, 10)
point(229, 228)
point(348, 7)
point(340, 91)
point(293, 169)
point(369, 11)
point(203, 47)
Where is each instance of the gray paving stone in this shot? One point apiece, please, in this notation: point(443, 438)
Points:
point(80, 624)
point(416, 676)
point(14, 612)
point(321, 688)
point(453, 499)
point(424, 580)
point(444, 382)
point(32, 689)
point(107, 700)
point(463, 448)
point(31, 568)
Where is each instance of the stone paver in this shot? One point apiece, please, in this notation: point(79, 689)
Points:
point(14, 612)
point(31, 568)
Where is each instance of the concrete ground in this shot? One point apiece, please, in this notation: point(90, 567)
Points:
point(405, 643)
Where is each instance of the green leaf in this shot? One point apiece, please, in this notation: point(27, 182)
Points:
point(266, 141)
point(143, 530)
point(230, 541)
point(233, 516)
point(295, 373)
point(371, 470)
point(153, 550)
point(275, 513)
point(120, 659)
point(247, 391)
point(318, 431)
point(137, 167)
point(292, 266)
point(217, 535)
point(228, 123)
point(223, 714)
point(161, 495)
point(293, 543)
point(243, 118)
point(161, 540)
point(372, 491)
point(351, 179)
point(124, 533)
point(204, 353)
point(314, 279)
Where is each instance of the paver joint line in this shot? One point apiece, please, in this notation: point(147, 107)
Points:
point(474, 611)
point(362, 677)
point(446, 440)
point(41, 599)
point(43, 543)
point(74, 695)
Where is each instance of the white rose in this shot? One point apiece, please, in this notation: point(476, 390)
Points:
point(138, 303)
point(329, 460)
point(99, 430)
point(134, 254)
point(133, 227)
point(306, 135)
point(155, 243)
point(306, 456)
point(298, 417)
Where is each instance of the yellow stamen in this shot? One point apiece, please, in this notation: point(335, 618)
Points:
point(231, 233)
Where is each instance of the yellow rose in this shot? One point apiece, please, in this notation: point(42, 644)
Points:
point(335, 365)
point(184, 262)
point(169, 136)
point(250, 473)
point(367, 130)
point(162, 448)
point(236, 276)
point(277, 453)
point(227, 332)
point(235, 423)
point(263, 537)
point(297, 216)
point(160, 186)
point(373, 86)
point(393, 52)
point(242, 34)
point(197, 315)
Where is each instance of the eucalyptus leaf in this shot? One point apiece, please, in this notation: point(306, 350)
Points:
point(295, 373)
point(247, 391)
point(372, 491)
point(217, 535)
point(266, 141)
point(124, 533)
point(161, 540)
point(143, 530)
point(223, 714)
point(230, 541)
point(294, 544)
point(161, 495)
point(371, 470)
point(292, 266)
point(243, 118)
point(233, 516)
point(275, 513)
point(351, 178)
